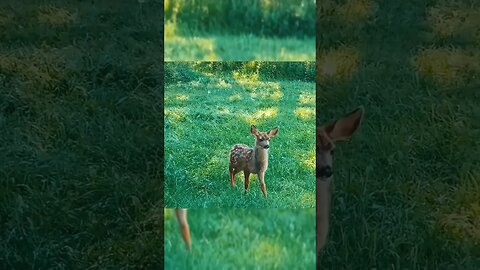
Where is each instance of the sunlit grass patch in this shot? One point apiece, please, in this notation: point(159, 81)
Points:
point(454, 18)
point(306, 99)
point(461, 217)
point(339, 64)
point(268, 253)
point(287, 55)
point(36, 67)
point(235, 97)
point(261, 115)
point(308, 160)
point(448, 66)
point(181, 97)
point(465, 224)
point(175, 114)
point(305, 113)
point(55, 16)
point(354, 11)
point(178, 48)
point(246, 79)
point(308, 198)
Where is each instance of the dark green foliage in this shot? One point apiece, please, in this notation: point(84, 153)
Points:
point(264, 17)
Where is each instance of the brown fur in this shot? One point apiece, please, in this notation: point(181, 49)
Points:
point(184, 228)
point(251, 160)
point(327, 135)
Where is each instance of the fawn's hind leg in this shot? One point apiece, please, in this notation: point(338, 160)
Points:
point(247, 180)
point(232, 176)
point(185, 229)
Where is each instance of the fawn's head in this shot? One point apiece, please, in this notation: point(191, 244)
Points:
point(341, 129)
point(262, 138)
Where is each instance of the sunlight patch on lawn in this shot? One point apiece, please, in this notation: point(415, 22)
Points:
point(454, 19)
point(55, 16)
point(224, 111)
point(308, 160)
point(305, 113)
point(288, 55)
point(40, 67)
point(306, 99)
point(355, 11)
point(235, 97)
point(461, 218)
point(245, 79)
point(175, 115)
point(464, 224)
point(308, 198)
point(181, 97)
point(268, 254)
point(223, 84)
point(338, 64)
point(448, 66)
point(187, 45)
point(261, 115)
point(167, 213)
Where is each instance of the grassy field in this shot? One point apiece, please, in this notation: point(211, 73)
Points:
point(81, 135)
point(243, 239)
point(407, 186)
point(208, 109)
point(231, 30)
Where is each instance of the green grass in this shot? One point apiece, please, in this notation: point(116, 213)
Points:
point(215, 47)
point(208, 110)
point(407, 185)
point(81, 129)
point(242, 239)
point(239, 31)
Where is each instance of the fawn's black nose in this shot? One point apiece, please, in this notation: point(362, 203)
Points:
point(266, 146)
point(325, 171)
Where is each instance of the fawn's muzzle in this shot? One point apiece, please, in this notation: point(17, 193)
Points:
point(325, 172)
point(266, 147)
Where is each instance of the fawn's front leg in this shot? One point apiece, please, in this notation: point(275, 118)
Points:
point(247, 180)
point(261, 178)
point(182, 221)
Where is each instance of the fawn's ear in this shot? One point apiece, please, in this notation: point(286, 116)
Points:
point(343, 128)
point(273, 132)
point(254, 130)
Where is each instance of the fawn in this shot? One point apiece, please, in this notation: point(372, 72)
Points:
point(252, 160)
point(341, 129)
point(183, 222)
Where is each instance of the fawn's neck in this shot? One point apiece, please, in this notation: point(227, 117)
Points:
point(260, 156)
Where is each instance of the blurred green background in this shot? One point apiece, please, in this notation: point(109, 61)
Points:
point(80, 135)
point(407, 186)
point(242, 239)
point(209, 107)
point(232, 30)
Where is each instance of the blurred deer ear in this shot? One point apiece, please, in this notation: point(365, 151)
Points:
point(254, 130)
point(273, 132)
point(343, 128)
